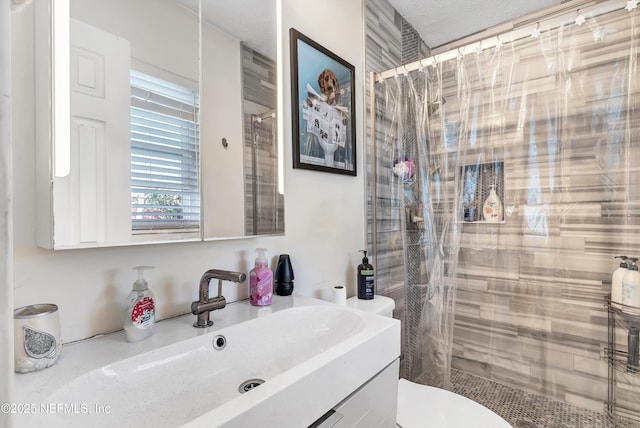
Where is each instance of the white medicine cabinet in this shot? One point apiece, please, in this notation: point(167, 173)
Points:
point(150, 118)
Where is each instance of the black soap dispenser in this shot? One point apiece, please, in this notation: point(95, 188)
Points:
point(284, 276)
point(366, 285)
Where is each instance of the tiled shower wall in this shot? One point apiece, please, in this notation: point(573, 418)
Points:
point(383, 51)
point(390, 42)
point(264, 205)
point(530, 307)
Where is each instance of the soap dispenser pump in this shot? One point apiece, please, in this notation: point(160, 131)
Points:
point(616, 281)
point(366, 284)
point(139, 314)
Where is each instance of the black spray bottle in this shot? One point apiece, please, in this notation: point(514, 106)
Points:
point(366, 284)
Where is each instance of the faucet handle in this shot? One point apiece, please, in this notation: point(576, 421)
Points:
point(202, 310)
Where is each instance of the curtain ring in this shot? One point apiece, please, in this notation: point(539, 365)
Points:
point(536, 32)
point(479, 48)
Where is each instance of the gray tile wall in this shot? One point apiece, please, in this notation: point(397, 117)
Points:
point(530, 308)
point(384, 44)
point(264, 206)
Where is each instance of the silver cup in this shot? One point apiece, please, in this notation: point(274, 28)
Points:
point(37, 343)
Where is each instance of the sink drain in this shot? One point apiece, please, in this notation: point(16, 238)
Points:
point(525, 424)
point(248, 385)
point(219, 342)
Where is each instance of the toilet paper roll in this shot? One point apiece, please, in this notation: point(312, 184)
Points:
point(339, 295)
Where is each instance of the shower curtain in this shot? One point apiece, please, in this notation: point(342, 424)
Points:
point(506, 180)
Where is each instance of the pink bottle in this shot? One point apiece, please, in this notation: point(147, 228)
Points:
point(260, 281)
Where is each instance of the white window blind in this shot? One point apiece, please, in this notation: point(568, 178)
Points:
point(165, 188)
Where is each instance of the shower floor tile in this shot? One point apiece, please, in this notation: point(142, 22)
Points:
point(527, 410)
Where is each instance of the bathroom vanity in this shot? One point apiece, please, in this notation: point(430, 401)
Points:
point(299, 362)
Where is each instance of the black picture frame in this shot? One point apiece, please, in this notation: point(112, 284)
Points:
point(323, 108)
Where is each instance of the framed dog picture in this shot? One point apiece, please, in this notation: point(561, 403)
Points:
point(323, 108)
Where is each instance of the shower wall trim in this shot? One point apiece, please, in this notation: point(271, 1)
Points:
point(588, 9)
point(374, 171)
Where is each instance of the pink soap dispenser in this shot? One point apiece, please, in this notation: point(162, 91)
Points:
point(260, 281)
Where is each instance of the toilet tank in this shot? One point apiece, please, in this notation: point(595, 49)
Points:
point(381, 305)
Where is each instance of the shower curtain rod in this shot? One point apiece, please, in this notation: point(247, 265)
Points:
point(532, 30)
point(270, 114)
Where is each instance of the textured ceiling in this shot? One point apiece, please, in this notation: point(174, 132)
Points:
point(251, 21)
point(443, 21)
point(437, 21)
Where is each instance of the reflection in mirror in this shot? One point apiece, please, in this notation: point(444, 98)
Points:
point(264, 203)
point(134, 125)
point(239, 135)
point(171, 139)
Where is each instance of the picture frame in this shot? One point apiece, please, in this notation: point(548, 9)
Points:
point(323, 108)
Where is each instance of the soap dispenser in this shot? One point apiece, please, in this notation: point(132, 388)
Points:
point(492, 208)
point(284, 276)
point(631, 288)
point(616, 281)
point(260, 281)
point(139, 314)
point(366, 285)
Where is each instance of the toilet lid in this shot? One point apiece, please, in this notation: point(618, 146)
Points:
point(381, 305)
point(425, 406)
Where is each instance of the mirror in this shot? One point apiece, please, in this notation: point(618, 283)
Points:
point(172, 117)
point(239, 130)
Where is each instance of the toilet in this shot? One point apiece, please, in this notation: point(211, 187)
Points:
point(422, 406)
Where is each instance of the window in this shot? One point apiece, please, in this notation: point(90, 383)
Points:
point(165, 187)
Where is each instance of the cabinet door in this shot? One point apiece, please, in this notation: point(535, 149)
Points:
point(92, 202)
point(373, 405)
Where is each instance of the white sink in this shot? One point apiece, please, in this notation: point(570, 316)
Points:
point(310, 357)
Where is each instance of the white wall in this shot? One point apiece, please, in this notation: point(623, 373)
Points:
point(6, 232)
point(221, 117)
point(325, 213)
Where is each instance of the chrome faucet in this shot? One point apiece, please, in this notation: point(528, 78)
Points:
point(205, 305)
